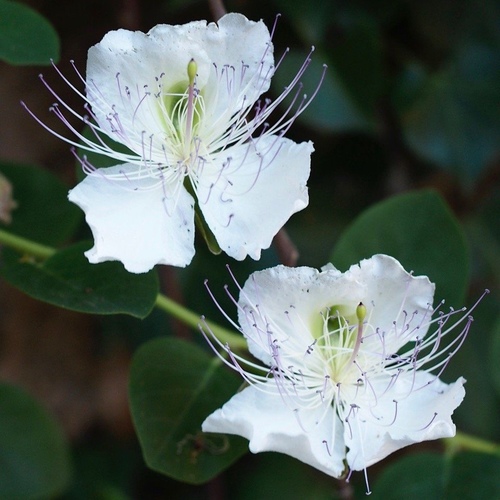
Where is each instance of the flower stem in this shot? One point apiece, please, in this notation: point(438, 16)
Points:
point(192, 319)
point(217, 9)
point(24, 245)
point(471, 443)
point(164, 303)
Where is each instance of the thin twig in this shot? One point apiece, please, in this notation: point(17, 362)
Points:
point(129, 15)
point(217, 9)
point(169, 283)
point(285, 248)
point(345, 490)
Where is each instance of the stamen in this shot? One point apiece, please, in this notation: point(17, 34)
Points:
point(428, 425)
point(325, 442)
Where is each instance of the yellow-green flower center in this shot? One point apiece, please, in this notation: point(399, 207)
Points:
point(180, 109)
point(339, 340)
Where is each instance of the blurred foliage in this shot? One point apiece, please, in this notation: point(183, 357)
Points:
point(384, 229)
point(26, 37)
point(452, 122)
point(429, 475)
point(42, 212)
point(34, 455)
point(409, 101)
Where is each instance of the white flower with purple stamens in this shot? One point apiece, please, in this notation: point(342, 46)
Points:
point(351, 364)
point(185, 101)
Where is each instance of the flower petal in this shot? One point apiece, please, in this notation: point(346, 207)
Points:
point(285, 302)
point(242, 54)
point(129, 73)
point(392, 296)
point(270, 425)
point(249, 194)
point(417, 408)
point(139, 221)
point(296, 298)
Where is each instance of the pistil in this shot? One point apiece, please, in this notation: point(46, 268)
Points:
point(192, 67)
point(360, 315)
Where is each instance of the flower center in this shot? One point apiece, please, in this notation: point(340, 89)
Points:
point(340, 341)
point(181, 109)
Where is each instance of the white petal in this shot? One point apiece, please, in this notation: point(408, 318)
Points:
point(242, 52)
point(390, 295)
point(128, 71)
point(286, 302)
point(291, 301)
point(140, 222)
point(422, 412)
point(249, 198)
point(128, 74)
point(270, 425)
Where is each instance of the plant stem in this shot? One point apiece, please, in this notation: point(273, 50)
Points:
point(471, 443)
point(24, 245)
point(217, 8)
point(192, 319)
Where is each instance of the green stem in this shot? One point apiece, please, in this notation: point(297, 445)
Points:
point(188, 317)
point(24, 245)
point(192, 319)
point(471, 443)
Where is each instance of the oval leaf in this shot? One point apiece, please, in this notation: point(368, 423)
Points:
point(26, 37)
point(454, 123)
point(43, 212)
point(419, 230)
point(174, 386)
point(68, 280)
point(34, 456)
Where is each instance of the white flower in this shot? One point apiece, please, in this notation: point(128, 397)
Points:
point(185, 102)
point(350, 374)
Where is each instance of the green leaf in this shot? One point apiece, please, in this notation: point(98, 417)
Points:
point(43, 212)
point(413, 477)
point(174, 386)
point(68, 280)
point(419, 230)
point(34, 456)
point(454, 122)
point(26, 37)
